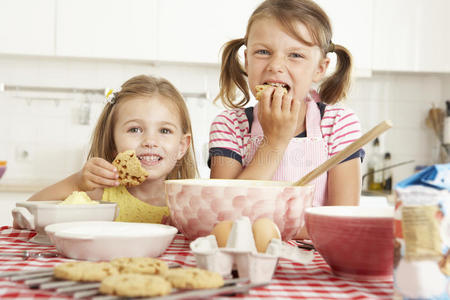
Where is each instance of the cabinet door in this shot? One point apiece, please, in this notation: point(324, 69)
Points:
point(411, 35)
point(352, 25)
point(27, 27)
point(195, 31)
point(106, 29)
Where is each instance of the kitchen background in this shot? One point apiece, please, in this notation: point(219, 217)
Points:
point(58, 56)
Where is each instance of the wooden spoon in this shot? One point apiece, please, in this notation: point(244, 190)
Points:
point(350, 149)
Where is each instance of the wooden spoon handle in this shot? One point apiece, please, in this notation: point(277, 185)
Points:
point(350, 149)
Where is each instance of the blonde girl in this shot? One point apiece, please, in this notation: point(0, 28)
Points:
point(148, 115)
point(288, 134)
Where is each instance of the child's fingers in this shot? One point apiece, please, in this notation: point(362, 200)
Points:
point(277, 101)
point(286, 104)
point(266, 98)
point(102, 168)
point(98, 181)
point(104, 164)
point(295, 106)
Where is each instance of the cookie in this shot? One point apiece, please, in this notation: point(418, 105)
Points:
point(140, 265)
point(193, 278)
point(135, 285)
point(129, 167)
point(260, 89)
point(84, 271)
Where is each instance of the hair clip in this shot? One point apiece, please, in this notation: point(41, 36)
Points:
point(111, 96)
point(330, 47)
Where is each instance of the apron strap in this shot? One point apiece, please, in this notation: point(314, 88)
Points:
point(313, 119)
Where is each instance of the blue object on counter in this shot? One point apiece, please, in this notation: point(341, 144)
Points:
point(435, 176)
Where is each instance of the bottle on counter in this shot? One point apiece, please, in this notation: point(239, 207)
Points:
point(446, 134)
point(375, 180)
point(387, 174)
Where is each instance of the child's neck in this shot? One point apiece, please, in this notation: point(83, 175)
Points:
point(301, 122)
point(151, 192)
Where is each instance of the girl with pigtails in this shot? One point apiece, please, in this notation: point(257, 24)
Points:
point(299, 121)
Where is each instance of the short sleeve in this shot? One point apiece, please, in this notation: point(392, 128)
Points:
point(340, 127)
point(226, 136)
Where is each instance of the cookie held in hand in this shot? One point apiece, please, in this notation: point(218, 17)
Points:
point(129, 167)
point(260, 89)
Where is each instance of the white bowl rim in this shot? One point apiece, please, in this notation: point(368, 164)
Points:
point(351, 211)
point(55, 204)
point(234, 183)
point(60, 227)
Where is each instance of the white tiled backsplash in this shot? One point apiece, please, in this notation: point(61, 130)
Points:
point(56, 141)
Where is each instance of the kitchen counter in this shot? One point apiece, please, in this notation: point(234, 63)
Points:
point(23, 186)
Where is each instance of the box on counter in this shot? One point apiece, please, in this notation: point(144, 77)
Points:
point(422, 235)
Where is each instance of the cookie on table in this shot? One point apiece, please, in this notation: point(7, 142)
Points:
point(84, 271)
point(193, 278)
point(260, 89)
point(135, 285)
point(140, 265)
point(129, 167)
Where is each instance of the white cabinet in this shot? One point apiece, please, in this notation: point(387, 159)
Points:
point(27, 27)
point(352, 25)
point(121, 29)
point(195, 31)
point(412, 35)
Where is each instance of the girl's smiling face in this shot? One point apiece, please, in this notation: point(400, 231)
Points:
point(152, 127)
point(275, 56)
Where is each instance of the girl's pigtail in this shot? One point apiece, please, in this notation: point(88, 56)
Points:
point(232, 75)
point(335, 87)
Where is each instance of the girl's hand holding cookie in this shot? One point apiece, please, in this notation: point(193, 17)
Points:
point(97, 173)
point(278, 115)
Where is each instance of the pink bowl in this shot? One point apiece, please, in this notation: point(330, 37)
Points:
point(197, 205)
point(356, 242)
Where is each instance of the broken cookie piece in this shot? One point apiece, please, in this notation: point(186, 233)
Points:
point(130, 170)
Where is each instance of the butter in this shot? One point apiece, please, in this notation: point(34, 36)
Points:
point(78, 198)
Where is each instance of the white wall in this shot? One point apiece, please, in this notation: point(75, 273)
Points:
point(56, 141)
point(405, 99)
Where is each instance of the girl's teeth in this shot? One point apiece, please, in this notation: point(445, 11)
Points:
point(276, 84)
point(150, 158)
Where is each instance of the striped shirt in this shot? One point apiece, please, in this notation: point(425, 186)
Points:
point(231, 131)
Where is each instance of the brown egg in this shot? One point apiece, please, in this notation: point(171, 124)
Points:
point(222, 231)
point(264, 230)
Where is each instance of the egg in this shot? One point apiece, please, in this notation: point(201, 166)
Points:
point(221, 231)
point(264, 230)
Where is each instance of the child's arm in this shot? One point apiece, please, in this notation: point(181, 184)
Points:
point(96, 174)
point(278, 116)
point(344, 183)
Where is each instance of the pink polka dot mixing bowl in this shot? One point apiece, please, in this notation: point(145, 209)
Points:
point(197, 205)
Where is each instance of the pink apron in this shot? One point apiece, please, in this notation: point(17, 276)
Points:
point(302, 154)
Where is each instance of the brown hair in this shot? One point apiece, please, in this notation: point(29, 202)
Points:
point(287, 13)
point(103, 144)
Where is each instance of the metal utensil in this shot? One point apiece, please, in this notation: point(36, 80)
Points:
point(30, 254)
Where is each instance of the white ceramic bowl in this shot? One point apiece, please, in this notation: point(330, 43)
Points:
point(108, 240)
point(35, 215)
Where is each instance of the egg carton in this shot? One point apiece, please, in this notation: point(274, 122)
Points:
point(240, 254)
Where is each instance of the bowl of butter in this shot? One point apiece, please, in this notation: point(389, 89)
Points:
point(35, 215)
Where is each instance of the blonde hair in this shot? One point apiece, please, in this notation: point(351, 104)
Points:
point(103, 144)
point(287, 13)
